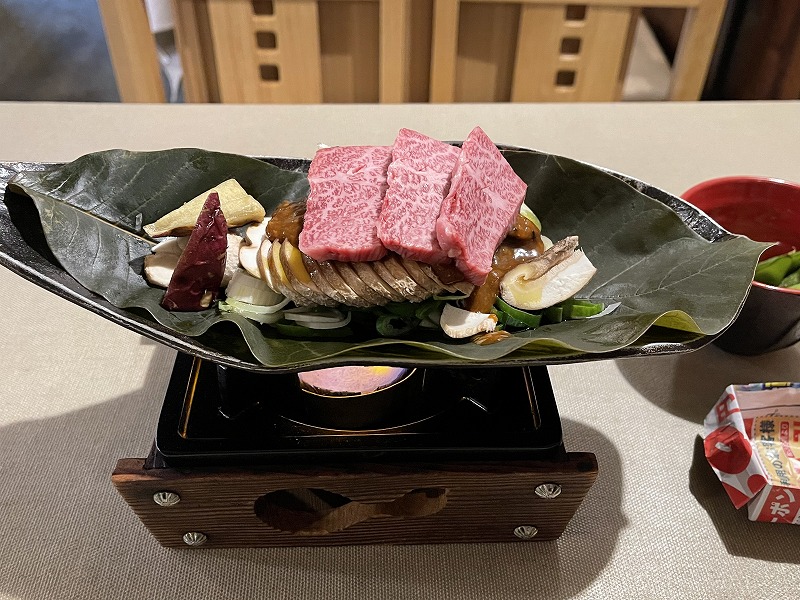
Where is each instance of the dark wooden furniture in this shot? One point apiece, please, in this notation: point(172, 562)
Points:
point(357, 503)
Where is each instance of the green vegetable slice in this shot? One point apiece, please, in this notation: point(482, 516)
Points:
point(292, 330)
point(391, 326)
point(517, 317)
point(773, 271)
point(581, 311)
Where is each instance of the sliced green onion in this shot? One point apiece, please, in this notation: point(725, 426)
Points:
point(400, 309)
point(426, 308)
point(390, 325)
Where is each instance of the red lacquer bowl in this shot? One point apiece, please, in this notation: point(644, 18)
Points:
point(766, 210)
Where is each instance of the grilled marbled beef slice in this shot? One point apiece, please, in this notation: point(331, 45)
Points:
point(346, 188)
point(483, 202)
point(418, 178)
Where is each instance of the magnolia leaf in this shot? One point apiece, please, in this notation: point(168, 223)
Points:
point(675, 286)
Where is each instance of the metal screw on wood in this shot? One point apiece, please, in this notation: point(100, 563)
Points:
point(526, 532)
point(194, 538)
point(548, 490)
point(166, 498)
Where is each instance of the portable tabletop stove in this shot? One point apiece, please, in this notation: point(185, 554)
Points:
point(442, 455)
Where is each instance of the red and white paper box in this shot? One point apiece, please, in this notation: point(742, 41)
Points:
point(752, 441)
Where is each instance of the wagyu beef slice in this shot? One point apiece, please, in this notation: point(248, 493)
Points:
point(418, 179)
point(483, 202)
point(347, 185)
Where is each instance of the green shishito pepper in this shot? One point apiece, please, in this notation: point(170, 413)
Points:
point(780, 271)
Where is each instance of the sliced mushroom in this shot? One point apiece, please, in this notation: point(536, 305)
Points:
point(368, 275)
point(273, 273)
point(458, 286)
point(299, 278)
point(417, 274)
point(231, 257)
point(333, 278)
point(315, 272)
point(248, 253)
point(158, 268)
point(359, 287)
point(459, 323)
point(524, 288)
point(392, 271)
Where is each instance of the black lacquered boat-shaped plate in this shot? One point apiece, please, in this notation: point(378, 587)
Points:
point(75, 230)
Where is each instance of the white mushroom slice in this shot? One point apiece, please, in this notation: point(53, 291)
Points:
point(231, 258)
point(523, 288)
point(158, 268)
point(460, 323)
point(248, 254)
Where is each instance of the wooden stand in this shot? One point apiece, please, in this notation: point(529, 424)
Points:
point(357, 503)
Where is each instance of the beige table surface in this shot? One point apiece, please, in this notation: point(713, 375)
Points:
point(79, 392)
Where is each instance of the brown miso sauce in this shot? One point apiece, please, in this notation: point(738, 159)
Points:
point(511, 253)
point(485, 339)
point(524, 229)
point(287, 222)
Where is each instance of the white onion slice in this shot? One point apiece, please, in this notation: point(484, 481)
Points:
point(306, 315)
point(319, 324)
point(256, 308)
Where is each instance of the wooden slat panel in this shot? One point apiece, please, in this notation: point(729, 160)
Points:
point(193, 40)
point(487, 39)
point(444, 50)
point(632, 3)
point(133, 51)
point(232, 33)
point(349, 46)
point(419, 77)
point(695, 48)
point(537, 59)
point(605, 39)
point(297, 39)
point(395, 50)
